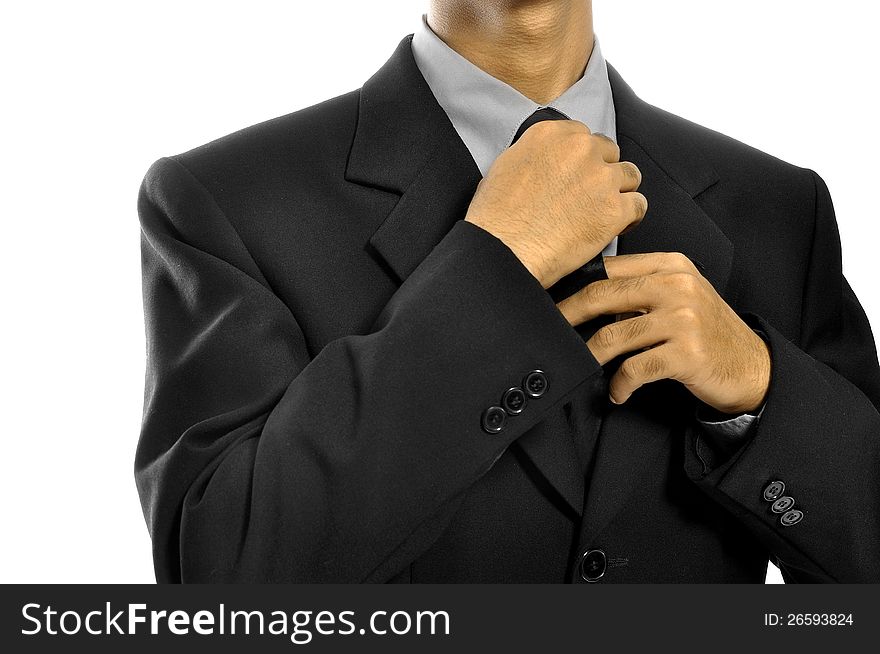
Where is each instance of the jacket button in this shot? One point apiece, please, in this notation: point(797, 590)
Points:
point(783, 504)
point(535, 383)
point(791, 518)
point(514, 401)
point(774, 491)
point(593, 565)
point(494, 419)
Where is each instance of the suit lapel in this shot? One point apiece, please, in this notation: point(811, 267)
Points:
point(406, 149)
point(674, 174)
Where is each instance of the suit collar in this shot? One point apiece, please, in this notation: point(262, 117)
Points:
point(397, 108)
point(406, 145)
point(399, 127)
point(406, 148)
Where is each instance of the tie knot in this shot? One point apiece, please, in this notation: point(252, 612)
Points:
point(547, 113)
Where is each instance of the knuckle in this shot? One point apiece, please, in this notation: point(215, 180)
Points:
point(634, 327)
point(692, 349)
point(602, 141)
point(632, 171)
point(683, 282)
point(653, 366)
point(614, 149)
point(640, 204)
point(686, 316)
point(605, 337)
point(612, 207)
point(586, 297)
point(608, 175)
point(632, 284)
point(595, 292)
point(679, 261)
point(576, 144)
point(674, 259)
point(581, 127)
point(544, 126)
point(579, 137)
point(629, 370)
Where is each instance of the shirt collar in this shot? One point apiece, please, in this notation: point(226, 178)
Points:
point(487, 112)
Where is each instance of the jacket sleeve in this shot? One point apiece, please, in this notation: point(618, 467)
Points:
point(261, 461)
point(819, 433)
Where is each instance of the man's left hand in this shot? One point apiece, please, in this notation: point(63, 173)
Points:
point(682, 330)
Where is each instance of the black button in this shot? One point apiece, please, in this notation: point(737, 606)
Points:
point(494, 419)
point(514, 400)
point(535, 383)
point(593, 565)
point(783, 504)
point(774, 491)
point(791, 518)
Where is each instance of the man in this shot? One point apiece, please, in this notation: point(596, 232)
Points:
point(384, 344)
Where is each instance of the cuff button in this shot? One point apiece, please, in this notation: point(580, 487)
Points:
point(535, 383)
point(493, 420)
point(791, 518)
point(514, 401)
point(774, 491)
point(782, 505)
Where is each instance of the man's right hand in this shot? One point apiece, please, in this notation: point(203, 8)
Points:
point(557, 197)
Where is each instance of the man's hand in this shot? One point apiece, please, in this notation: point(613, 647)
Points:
point(557, 197)
point(683, 330)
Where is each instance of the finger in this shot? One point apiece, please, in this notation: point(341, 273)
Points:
point(625, 336)
point(607, 148)
point(635, 206)
point(640, 369)
point(640, 265)
point(630, 175)
point(610, 296)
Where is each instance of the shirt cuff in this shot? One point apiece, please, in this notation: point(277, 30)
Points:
point(720, 437)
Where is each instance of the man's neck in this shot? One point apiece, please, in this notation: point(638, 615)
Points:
point(539, 47)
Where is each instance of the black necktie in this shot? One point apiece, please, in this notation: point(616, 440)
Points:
point(593, 270)
point(547, 113)
point(580, 418)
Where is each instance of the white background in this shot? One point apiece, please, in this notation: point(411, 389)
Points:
point(95, 91)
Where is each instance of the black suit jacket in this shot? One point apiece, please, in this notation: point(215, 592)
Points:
point(324, 333)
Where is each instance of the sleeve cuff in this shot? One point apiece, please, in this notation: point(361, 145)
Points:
point(720, 435)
